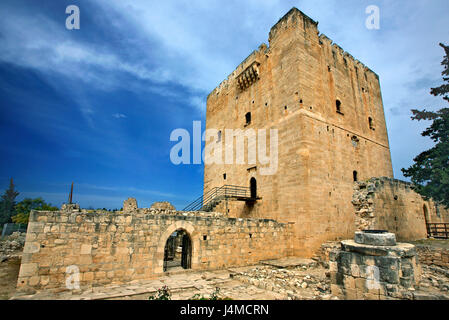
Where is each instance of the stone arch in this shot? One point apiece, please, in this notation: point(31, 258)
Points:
point(184, 225)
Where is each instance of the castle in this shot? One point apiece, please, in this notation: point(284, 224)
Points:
point(333, 176)
point(327, 107)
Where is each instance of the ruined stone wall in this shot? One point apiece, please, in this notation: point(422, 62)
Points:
point(431, 255)
point(120, 247)
point(300, 76)
point(390, 204)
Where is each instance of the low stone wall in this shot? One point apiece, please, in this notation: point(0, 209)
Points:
point(121, 247)
point(393, 205)
point(433, 256)
point(323, 253)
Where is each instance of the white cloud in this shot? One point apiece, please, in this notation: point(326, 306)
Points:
point(119, 116)
point(196, 44)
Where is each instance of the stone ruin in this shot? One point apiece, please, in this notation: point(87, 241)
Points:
point(130, 205)
point(374, 267)
point(164, 205)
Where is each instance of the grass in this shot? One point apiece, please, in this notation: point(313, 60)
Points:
point(437, 243)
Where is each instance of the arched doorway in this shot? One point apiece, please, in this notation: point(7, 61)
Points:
point(178, 251)
point(253, 188)
point(355, 176)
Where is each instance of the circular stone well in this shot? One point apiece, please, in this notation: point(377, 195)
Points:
point(375, 238)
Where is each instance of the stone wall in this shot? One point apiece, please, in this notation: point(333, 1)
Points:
point(430, 255)
point(393, 205)
point(120, 247)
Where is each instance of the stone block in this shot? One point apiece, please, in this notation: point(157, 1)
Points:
point(86, 249)
point(28, 269)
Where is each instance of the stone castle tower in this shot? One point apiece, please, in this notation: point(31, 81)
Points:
point(327, 108)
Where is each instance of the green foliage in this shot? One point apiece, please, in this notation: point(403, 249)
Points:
point(162, 294)
point(24, 208)
point(7, 203)
point(430, 172)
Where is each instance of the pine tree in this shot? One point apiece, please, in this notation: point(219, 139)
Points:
point(8, 203)
point(430, 172)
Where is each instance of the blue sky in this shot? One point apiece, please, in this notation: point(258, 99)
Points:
point(97, 105)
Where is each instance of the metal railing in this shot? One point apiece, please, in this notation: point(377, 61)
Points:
point(10, 228)
point(217, 194)
point(438, 230)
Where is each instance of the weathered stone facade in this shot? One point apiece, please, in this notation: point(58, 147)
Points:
point(429, 255)
point(301, 77)
point(165, 205)
point(121, 247)
point(327, 107)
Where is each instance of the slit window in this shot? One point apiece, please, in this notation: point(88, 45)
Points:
point(371, 123)
point(248, 118)
point(338, 106)
point(355, 176)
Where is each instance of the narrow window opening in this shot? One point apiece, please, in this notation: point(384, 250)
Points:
point(253, 188)
point(355, 176)
point(338, 106)
point(248, 118)
point(371, 124)
point(224, 176)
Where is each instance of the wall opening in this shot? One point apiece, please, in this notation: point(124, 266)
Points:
point(338, 106)
point(248, 118)
point(371, 124)
point(355, 176)
point(253, 188)
point(178, 251)
point(426, 218)
point(355, 141)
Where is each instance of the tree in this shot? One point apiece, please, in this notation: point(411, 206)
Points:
point(430, 172)
point(7, 203)
point(24, 208)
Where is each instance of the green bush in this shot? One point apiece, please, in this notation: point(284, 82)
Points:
point(162, 294)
